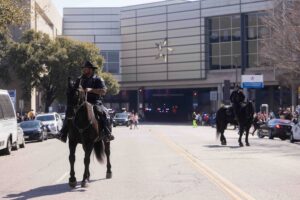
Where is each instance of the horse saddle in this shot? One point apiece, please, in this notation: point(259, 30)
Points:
point(92, 116)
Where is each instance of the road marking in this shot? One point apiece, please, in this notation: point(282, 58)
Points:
point(61, 178)
point(230, 189)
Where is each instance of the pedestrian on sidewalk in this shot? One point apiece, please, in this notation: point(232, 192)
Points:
point(194, 115)
point(136, 121)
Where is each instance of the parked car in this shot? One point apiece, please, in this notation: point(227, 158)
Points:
point(53, 121)
point(8, 124)
point(20, 138)
point(280, 128)
point(121, 119)
point(34, 130)
point(295, 135)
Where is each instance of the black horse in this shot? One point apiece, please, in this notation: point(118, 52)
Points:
point(245, 120)
point(83, 129)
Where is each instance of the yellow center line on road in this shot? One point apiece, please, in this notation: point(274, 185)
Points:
point(226, 186)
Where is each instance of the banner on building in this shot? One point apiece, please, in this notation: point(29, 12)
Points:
point(252, 81)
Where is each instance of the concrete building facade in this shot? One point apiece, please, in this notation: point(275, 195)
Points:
point(175, 55)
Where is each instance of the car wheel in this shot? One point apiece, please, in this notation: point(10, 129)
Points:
point(260, 134)
point(292, 140)
point(15, 146)
point(23, 143)
point(8, 148)
point(271, 135)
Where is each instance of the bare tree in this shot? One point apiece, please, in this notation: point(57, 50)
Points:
point(282, 50)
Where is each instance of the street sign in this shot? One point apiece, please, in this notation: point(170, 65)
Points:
point(252, 81)
point(213, 95)
point(13, 96)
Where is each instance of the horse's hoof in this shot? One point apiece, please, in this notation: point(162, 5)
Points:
point(84, 184)
point(224, 143)
point(241, 144)
point(108, 175)
point(247, 144)
point(72, 184)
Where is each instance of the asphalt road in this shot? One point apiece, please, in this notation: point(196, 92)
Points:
point(159, 162)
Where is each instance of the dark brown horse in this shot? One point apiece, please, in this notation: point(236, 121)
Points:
point(245, 120)
point(83, 129)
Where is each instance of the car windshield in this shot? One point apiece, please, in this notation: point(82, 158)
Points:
point(121, 115)
point(45, 117)
point(30, 124)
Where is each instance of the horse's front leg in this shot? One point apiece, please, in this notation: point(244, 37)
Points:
point(87, 154)
point(241, 131)
point(72, 148)
point(108, 165)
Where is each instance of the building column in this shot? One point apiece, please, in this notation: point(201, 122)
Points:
point(220, 96)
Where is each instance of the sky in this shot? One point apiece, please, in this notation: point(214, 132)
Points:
point(60, 4)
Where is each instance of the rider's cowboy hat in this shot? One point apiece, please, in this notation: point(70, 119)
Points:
point(88, 64)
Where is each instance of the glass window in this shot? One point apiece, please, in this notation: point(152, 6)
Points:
point(226, 62)
point(236, 47)
point(215, 49)
point(236, 61)
point(226, 48)
point(225, 22)
point(104, 55)
point(113, 68)
point(225, 35)
point(252, 46)
point(214, 36)
point(252, 19)
point(7, 107)
point(1, 113)
point(236, 21)
point(252, 33)
point(215, 23)
point(113, 56)
point(252, 60)
point(236, 34)
point(215, 62)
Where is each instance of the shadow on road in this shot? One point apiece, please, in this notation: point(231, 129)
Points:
point(222, 146)
point(47, 191)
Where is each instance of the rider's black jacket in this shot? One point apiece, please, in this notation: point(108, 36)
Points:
point(93, 82)
point(237, 97)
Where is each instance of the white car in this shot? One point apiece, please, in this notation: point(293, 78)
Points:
point(295, 135)
point(52, 120)
point(8, 124)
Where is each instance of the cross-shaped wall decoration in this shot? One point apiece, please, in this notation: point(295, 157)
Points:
point(163, 50)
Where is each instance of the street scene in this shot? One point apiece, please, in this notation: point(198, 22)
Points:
point(149, 99)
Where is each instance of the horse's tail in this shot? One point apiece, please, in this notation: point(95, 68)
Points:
point(99, 151)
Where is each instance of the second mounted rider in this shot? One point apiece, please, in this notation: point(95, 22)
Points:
point(237, 97)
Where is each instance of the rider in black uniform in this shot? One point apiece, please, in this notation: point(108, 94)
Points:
point(95, 87)
point(236, 98)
